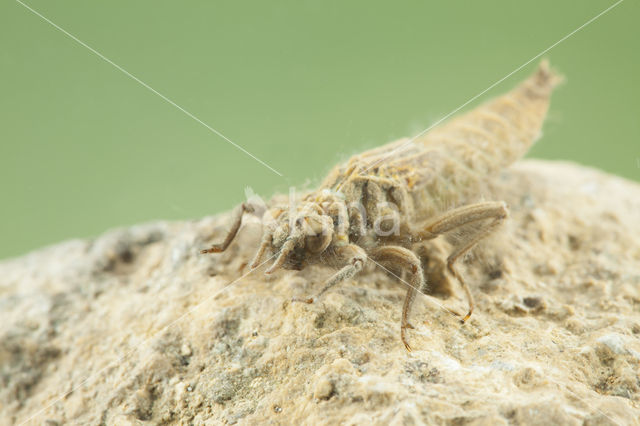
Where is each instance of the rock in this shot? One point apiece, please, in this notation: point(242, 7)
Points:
point(136, 327)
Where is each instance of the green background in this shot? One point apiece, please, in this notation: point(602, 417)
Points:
point(299, 84)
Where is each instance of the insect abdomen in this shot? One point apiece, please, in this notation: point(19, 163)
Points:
point(502, 130)
point(462, 152)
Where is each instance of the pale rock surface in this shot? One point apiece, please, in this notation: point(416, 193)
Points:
point(135, 327)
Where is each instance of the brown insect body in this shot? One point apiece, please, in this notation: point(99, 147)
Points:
point(379, 202)
point(447, 163)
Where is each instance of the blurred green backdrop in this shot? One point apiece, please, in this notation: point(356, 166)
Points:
point(299, 84)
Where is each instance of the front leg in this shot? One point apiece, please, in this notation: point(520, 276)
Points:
point(237, 221)
point(355, 257)
point(399, 255)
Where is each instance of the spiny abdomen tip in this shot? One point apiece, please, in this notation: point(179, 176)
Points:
point(546, 77)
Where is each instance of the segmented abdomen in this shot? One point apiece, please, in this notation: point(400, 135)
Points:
point(445, 167)
point(450, 162)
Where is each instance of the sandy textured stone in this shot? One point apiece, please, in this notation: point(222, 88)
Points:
point(135, 327)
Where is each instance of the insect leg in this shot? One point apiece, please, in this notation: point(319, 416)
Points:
point(402, 199)
point(270, 225)
point(237, 221)
point(355, 256)
point(462, 216)
point(398, 193)
point(374, 189)
point(400, 255)
point(338, 211)
point(357, 220)
point(355, 209)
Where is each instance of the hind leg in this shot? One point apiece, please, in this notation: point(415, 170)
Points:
point(237, 221)
point(495, 211)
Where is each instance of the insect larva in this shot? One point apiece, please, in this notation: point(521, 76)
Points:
point(380, 202)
